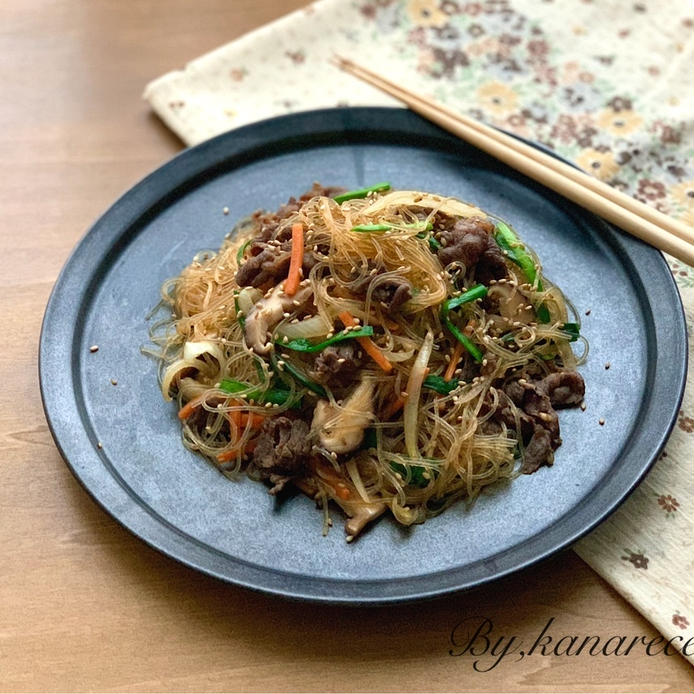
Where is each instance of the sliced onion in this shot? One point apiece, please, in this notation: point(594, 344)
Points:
point(399, 356)
point(195, 350)
point(413, 198)
point(414, 388)
point(316, 326)
point(173, 373)
point(248, 297)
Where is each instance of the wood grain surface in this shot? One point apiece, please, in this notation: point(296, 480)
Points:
point(84, 606)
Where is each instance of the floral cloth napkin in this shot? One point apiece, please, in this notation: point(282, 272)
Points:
point(605, 83)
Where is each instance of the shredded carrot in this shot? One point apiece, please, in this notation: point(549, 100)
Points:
point(241, 419)
point(394, 407)
point(226, 456)
point(330, 477)
point(291, 284)
point(190, 407)
point(455, 358)
point(367, 343)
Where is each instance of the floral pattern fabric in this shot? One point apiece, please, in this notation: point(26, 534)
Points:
point(607, 84)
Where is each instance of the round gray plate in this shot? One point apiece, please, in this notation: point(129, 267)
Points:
point(178, 503)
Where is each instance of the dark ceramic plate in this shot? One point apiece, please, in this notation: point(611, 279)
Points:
point(178, 503)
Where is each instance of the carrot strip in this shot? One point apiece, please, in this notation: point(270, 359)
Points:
point(190, 407)
point(394, 407)
point(241, 419)
point(455, 358)
point(330, 477)
point(291, 284)
point(368, 345)
point(226, 456)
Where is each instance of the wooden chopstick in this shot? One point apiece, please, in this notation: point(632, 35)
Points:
point(643, 221)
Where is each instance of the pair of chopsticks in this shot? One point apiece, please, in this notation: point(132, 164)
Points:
point(640, 220)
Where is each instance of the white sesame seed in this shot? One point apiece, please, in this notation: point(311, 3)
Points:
point(226, 210)
point(99, 445)
point(114, 382)
point(94, 348)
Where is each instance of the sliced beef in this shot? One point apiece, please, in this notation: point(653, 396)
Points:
point(282, 450)
point(270, 264)
point(538, 452)
point(564, 388)
point(266, 262)
point(336, 366)
point(470, 242)
point(392, 292)
point(534, 400)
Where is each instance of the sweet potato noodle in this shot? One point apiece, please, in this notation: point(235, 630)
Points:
point(380, 349)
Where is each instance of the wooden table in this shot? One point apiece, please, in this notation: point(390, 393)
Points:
point(83, 604)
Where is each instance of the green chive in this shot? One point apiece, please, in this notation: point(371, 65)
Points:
point(361, 193)
point(509, 242)
point(440, 385)
point(301, 344)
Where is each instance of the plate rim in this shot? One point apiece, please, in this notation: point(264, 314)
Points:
point(195, 162)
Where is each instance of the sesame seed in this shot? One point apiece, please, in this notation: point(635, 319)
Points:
point(296, 302)
point(268, 405)
point(485, 362)
point(114, 382)
point(341, 360)
point(601, 422)
point(99, 445)
point(294, 321)
point(226, 210)
point(588, 312)
point(94, 348)
point(607, 365)
point(349, 538)
point(583, 406)
point(285, 340)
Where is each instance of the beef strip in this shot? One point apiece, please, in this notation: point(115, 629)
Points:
point(470, 242)
point(271, 263)
point(392, 292)
point(564, 388)
point(282, 450)
point(538, 451)
point(336, 365)
point(535, 400)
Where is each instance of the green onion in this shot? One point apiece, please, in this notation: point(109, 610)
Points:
point(301, 344)
point(464, 340)
point(237, 308)
point(276, 396)
point(297, 374)
point(416, 473)
point(573, 331)
point(477, 292)
point(440, 385)
point(434, 245)
point(241, 251)
point(389, 227)
point(509, 242)
point(361, 193)
point(372, 227)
